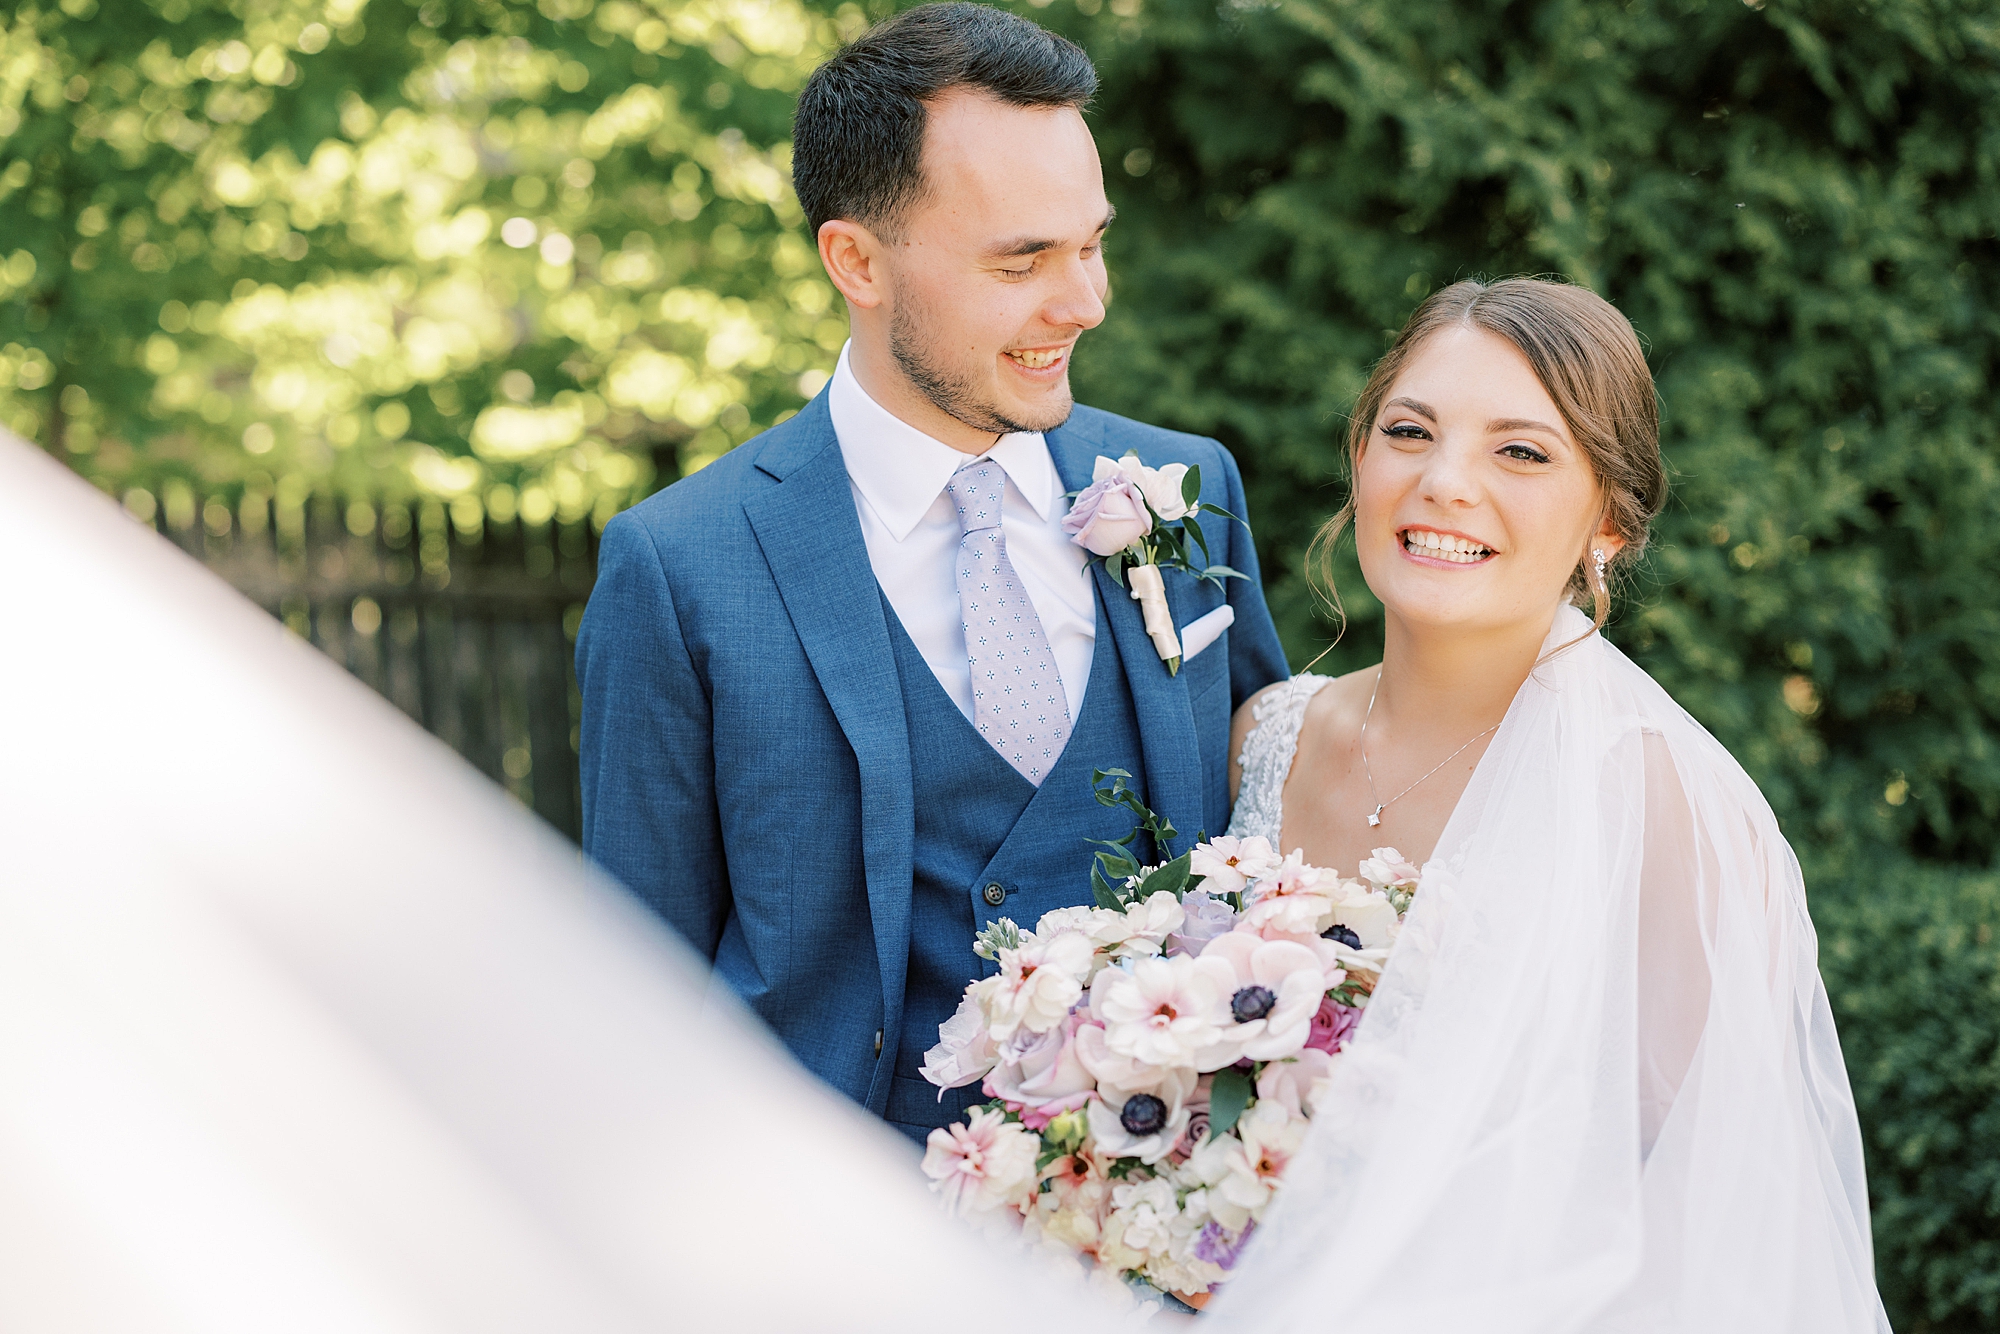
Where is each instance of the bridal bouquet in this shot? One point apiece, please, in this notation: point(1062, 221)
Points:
point(1152, 1061)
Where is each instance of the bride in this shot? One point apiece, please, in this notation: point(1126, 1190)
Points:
point(1599, 1087)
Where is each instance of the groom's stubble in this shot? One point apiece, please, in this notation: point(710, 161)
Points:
point(953, 390)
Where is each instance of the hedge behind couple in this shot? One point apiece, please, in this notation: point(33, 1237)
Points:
point(845, 688)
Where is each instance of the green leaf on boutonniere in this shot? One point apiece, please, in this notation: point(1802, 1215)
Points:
point(1215, 574)
point(1200, 538)
point(1114, 565)
point(1217, 509)
point(1227, 1097)
point(1191, 487)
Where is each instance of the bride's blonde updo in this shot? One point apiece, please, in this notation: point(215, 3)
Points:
point(1589, 359)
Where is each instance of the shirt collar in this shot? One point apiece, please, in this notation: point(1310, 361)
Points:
point(901, 471)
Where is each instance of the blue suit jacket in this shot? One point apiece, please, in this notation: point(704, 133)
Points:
point(746, 760)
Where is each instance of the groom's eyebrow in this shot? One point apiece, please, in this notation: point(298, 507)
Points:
point(1022, 246)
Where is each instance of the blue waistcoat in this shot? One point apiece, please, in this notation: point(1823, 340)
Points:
point(980, 824)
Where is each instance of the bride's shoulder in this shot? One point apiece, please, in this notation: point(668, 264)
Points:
point(1307, 695)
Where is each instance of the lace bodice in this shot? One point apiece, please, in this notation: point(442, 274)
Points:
point(1267, 757)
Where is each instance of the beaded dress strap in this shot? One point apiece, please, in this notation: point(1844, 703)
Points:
point(1266, 759)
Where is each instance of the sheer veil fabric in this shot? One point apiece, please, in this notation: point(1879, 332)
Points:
point(306, 1026)
point(1599, 1088)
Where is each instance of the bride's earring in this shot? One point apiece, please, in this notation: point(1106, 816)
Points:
point(1599, 554)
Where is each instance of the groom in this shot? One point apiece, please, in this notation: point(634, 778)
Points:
point(785, 721)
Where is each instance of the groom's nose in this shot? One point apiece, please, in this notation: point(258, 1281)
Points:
point(1077, 300)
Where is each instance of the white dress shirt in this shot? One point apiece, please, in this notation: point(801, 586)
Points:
point(911, 529)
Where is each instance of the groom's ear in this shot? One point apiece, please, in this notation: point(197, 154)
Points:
point(854, 257)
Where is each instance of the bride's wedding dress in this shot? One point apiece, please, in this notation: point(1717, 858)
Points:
point(1599, 1087)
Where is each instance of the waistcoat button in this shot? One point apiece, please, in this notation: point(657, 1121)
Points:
point(995, 895)
point(878, 1042)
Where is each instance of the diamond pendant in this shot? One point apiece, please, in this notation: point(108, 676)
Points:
point(1375, 816)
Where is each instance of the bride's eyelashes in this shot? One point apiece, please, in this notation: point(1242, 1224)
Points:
point(1524, 452)
point(1406, 430)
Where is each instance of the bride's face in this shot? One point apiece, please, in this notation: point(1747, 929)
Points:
point(1469, 451)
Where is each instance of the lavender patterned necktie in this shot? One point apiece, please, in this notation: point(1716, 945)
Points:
point(1018, 702)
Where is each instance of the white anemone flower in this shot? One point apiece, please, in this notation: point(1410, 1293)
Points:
point(1368, 914)
point(1161, 1011)
point(1274, 989)
point(1144, 1123)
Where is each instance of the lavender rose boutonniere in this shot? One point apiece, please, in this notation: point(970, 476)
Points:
point(1138, 519)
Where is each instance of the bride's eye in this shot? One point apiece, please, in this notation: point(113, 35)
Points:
point(1406, 431)
point(1526, 453)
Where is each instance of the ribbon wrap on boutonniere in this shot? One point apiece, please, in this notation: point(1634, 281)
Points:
point(1137, 520)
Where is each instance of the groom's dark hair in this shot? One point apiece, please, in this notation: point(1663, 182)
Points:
point(858, 135)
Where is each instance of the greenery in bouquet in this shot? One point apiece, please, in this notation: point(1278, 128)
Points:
point(1153, 1060)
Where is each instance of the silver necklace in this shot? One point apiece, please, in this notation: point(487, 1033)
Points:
point(1375, 816)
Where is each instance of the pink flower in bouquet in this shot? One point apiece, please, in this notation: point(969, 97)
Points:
point(1038, 983)
point(964, 1051)
point(1197, 1125)
point(1203, 918)
point(1228, 864)
point(1163, 1011)
point(1333, 1025)
point(1039, 1069)
point(1274, 988)
point(1295, 900)
point(985, 1164)
point(1388, 867)
point(1295, 1082)
point(1108, 516)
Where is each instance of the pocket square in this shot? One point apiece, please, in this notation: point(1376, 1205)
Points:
point(1202, 631)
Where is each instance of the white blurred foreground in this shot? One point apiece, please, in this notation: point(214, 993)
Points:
point(304, 1026)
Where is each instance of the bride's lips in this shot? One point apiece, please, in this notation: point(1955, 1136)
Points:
point(1039, 363)
point(1441, 548)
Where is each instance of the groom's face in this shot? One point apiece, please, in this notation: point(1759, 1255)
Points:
point(999, 268)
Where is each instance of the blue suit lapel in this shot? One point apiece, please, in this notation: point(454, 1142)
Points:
point(1167, 738)
point(811, 539)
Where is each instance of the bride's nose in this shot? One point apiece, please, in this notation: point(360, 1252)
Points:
point(1449, 478)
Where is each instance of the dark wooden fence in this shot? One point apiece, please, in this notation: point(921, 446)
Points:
point(463, 616)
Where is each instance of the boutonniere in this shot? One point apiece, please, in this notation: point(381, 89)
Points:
point(1138, 519)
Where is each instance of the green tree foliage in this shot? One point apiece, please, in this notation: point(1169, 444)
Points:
point(1796, 203)
point(530, 256)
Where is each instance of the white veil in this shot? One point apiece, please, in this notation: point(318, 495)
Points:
point(305, 1026)
point(1599, 1088)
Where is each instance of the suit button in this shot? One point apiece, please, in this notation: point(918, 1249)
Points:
point(878, 1042)
point(995, 895)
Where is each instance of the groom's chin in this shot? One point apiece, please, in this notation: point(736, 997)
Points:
point(1045, 416)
